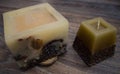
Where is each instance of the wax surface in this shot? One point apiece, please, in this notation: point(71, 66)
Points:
point(97, 34)
point(98, 25)
point(32, 18)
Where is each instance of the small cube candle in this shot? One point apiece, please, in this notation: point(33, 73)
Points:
point(35, 34)
point(95, 41)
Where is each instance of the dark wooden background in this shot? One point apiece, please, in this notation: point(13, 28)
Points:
point(75, 11)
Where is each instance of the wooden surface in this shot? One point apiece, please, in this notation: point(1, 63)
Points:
point(75, 11)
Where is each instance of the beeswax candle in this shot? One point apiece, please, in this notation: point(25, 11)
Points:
point(96, 39)
point(35, 34)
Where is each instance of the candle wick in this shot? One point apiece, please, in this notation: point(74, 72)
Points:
point(98, 25)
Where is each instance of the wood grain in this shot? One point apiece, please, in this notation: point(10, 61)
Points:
point(75, 11)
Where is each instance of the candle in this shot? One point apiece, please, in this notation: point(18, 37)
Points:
point(35, 34)
point(95, 41)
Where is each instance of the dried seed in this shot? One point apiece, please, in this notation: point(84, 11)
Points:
point(25, 61)
point(20, 57)
point(20, 39)
point(34, 61)
point(36, 43)
point(64, 45)
point(24, 65)
point(30, 37)
point(33, 43)
point(61, 40)
point(37, 58)
point(49, 61)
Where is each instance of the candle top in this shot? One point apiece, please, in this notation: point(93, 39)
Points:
point(98, 25)
point(32, 18)
point(96, 34)
point(26, 19)
point(29, 17)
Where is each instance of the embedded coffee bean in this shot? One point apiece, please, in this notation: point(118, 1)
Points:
point(53, 49)
point(20, 57)
point(20, 39)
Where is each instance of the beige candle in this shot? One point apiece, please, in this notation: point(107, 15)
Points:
point(29, 30)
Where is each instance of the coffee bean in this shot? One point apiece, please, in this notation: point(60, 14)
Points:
point(20, 57)
point(20, 39)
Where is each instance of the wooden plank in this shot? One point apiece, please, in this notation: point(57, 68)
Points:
point(75, 11)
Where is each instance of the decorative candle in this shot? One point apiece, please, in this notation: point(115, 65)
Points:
point(35, 34)
point(95, 40)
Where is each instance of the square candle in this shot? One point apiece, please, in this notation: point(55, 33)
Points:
point(35, 34)
point(95, 41)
